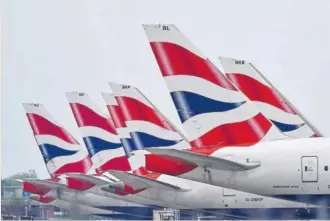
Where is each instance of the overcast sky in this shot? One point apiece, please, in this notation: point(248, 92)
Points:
point(51, 47)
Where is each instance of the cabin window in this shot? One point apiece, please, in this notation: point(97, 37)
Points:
point(326, 168)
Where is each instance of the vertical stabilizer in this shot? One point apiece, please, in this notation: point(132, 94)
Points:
point(212, 110)
point(99, 134)
point(271, 103)
point(147, 126)
point(61, 152)
point(136, 161)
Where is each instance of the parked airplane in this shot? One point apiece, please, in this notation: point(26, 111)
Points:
point(200, 92)
point(149, 185)
point(271, 103)
point(99, 135)
point(216, 118)
point(63, 155)
point(143, 127)
point(105, 148)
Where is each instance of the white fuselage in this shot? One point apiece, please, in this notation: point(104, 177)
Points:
point(204, 196)
point(290, 169)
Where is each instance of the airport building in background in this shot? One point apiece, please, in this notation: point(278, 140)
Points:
point(17, 203)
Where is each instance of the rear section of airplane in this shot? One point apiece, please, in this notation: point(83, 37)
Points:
point(180, 191)
point(271, 103)
point(99, 134)
point(144, 126)
point(214, 113)
point(126, 134)
point(149, 127)
point(211, 109)
point(117, 114)
point(146, 129)
point(61, 152)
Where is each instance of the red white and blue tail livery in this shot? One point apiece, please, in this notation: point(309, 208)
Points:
point(65, 187)
point(274, 106)
point(61, 152)
point(99, 134)
point(124, 135)
point(148, 127)
point(211, 109)
point(215, 113)
point(170, 189)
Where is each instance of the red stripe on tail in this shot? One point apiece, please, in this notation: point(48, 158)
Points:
point(175, 60)
point(42, 126)
point(136, 110)
point(250, 131)
point(256, 91)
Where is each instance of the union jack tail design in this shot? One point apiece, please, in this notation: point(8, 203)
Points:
point(99, 134)
point(136, 163)
point(61, 152)
point(212, 110)
point(148, 128)
point(274, 106)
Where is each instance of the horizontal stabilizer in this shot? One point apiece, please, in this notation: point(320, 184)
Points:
point(217, 163)
point(89, 178)
point(18, 181)
point(49, 184)
point(139, 182)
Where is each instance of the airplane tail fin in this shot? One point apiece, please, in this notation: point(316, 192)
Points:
point(137, 161)
point(210, 107)
point(147, 127)
point(271, 103)
point(61, 152)
point(99, 134)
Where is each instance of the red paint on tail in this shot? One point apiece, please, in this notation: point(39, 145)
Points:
point(87, 117)
point(235, 133)
point(82, 166)
point(42, 126)
point(175, 60)
point(256, 91)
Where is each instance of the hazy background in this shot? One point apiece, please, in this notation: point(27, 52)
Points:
point(50, 47)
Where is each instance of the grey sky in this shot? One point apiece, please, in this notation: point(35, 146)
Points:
point(50, 47)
